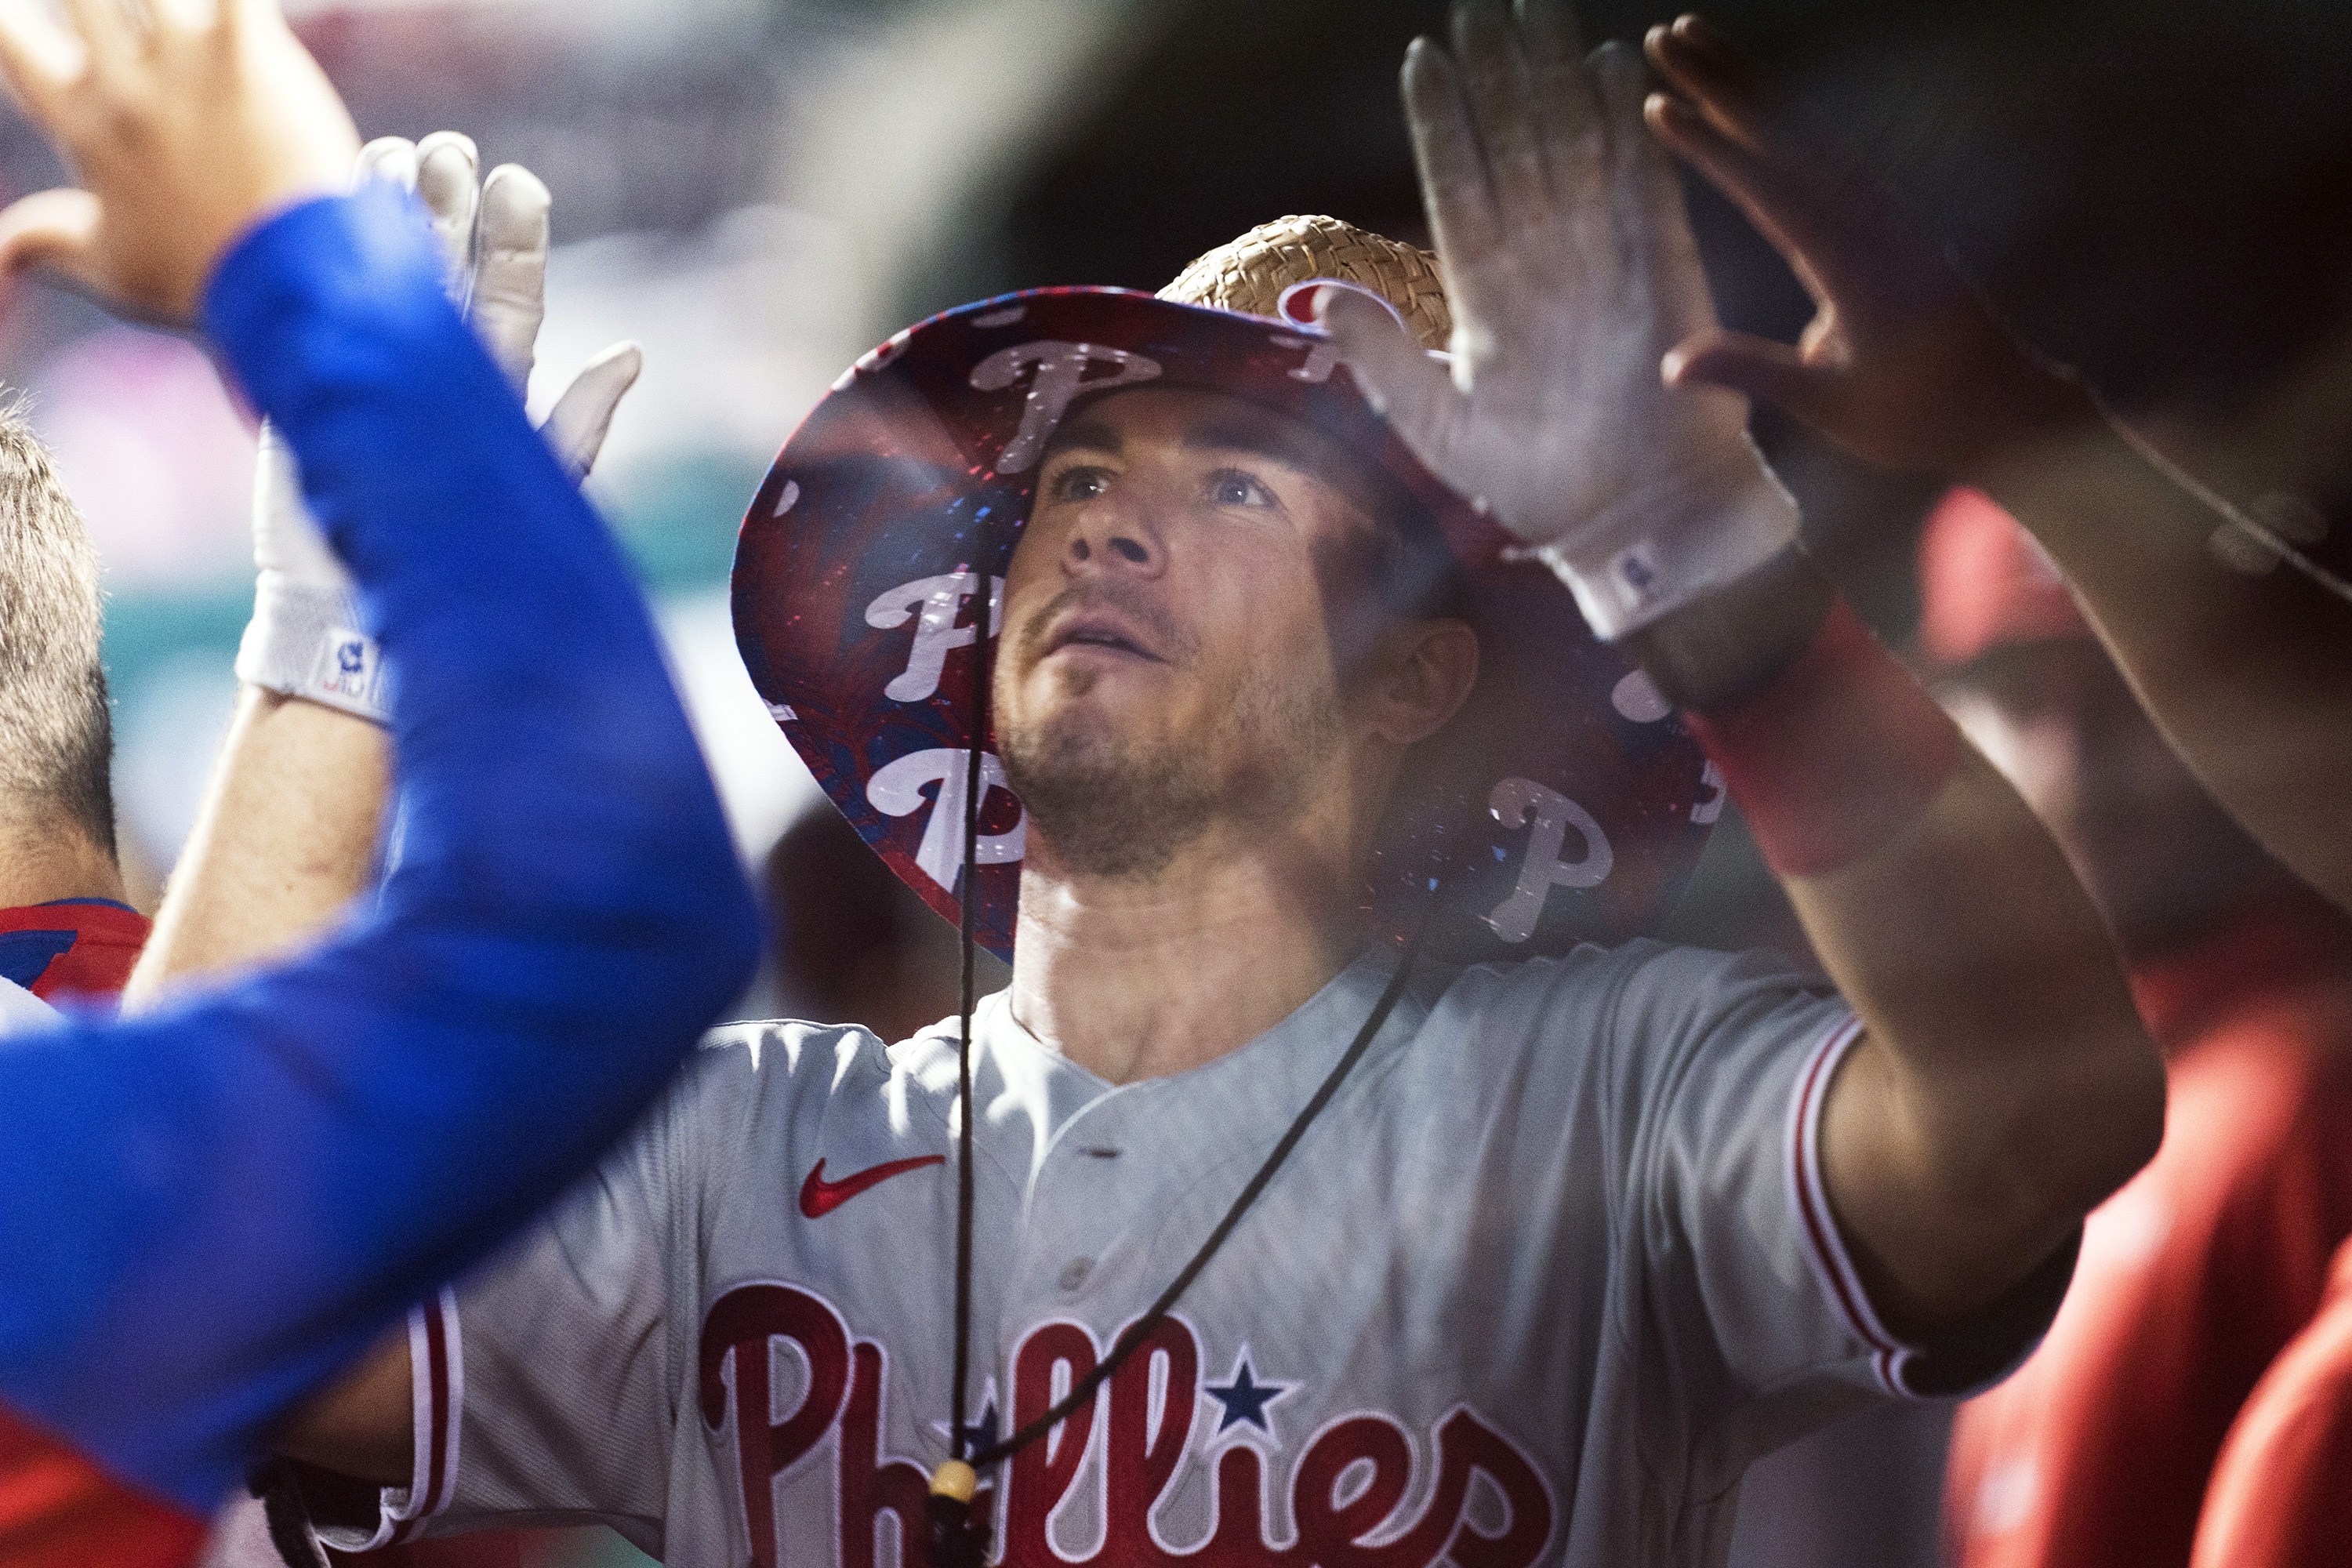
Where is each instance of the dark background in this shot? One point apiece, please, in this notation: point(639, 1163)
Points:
point(2158, 193)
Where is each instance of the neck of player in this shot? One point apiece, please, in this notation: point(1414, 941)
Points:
point(41, 862)
point(1142, 977)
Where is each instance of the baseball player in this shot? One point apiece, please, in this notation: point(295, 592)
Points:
point(1262, 1219)
point(65, 928)
point(2204, 1267)
point(203, 1211)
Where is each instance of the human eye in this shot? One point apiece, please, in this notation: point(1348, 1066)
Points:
point(1232, 487)
point(1079, 482)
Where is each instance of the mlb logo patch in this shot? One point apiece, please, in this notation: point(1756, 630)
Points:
point(350, 667)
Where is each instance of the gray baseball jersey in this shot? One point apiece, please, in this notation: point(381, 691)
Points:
point(1551, 1268)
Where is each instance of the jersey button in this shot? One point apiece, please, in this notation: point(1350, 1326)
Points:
point(1074, 1272)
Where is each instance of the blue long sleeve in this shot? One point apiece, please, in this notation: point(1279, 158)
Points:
point(206, 1210)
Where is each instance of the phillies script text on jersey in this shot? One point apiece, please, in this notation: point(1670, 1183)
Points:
point(1553, 1266)
point(1342, 1492)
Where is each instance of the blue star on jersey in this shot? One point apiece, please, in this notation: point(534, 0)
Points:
point(1245, 1398)
point(980, 1434)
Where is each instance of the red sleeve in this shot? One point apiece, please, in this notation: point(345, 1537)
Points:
point(2281, 1491)
point(59, 1511)
point(2097, 1453)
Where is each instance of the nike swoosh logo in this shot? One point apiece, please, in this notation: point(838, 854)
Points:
point(820, 1197)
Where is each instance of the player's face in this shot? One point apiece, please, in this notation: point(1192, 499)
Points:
point(2156, 852)
point(1180, 615)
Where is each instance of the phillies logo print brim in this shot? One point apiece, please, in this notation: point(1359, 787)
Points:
point(1565, 803)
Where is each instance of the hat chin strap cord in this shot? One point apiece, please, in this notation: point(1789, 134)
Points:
point(956, 1541)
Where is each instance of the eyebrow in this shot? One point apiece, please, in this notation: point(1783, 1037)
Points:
point(1094, 434)
point(1228, 435)
point(1218, 434)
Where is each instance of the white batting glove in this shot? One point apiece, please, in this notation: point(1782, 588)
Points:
point(1571, 271)
point(305, 639)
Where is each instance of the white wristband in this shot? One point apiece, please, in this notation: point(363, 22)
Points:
point(1625, 577)
point(304, 640)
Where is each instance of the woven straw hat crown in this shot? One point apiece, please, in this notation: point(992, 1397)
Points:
point(1250, 273)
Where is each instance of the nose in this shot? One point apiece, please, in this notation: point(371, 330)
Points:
point(1113, 538)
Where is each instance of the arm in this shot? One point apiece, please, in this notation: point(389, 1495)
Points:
point(285, 838)
point(2005, 1085)
point(2249, 676)
point(259, 1181)
point(289, 830)
point(359, 1426)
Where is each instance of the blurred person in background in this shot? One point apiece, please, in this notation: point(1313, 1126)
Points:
point(2196, 1274)
point(65, 928)
point(1598, 1228)
point(2237, 643)
point(2239, 647)
point(66, 932)
point(852, 943)
point(2281, 1495)
point(199, 1206)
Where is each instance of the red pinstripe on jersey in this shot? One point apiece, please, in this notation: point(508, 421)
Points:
point(1818, 1224)
point(438, 1396)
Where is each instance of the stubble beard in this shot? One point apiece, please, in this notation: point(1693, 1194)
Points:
point(1114, 806)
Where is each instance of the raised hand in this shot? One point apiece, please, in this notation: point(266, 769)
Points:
point(1571, 271)
point(1903, 364)
point(186, 121)
point(303, 640)
point(495, 240)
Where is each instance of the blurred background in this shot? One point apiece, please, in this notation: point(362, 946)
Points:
point(2158, 191)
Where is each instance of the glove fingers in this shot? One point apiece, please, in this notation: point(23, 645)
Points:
point(1397, 377)
point(1647, 200)
point(285, 539)
point(1561, 94)
point(575, 427)
point(1453, 183)
point(1494, 83)
point(447, 182)
point(510, 281)
point(390, 160)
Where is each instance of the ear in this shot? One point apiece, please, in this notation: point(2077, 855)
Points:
point(1426, 671)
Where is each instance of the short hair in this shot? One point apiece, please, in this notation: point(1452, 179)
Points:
point(1420, 576)
point(56, 734)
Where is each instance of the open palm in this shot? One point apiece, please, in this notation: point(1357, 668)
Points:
point(1571, 271)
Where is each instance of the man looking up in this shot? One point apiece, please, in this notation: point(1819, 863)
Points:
point(1507, 1264)
point(203, 1210)
point(64, 927)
